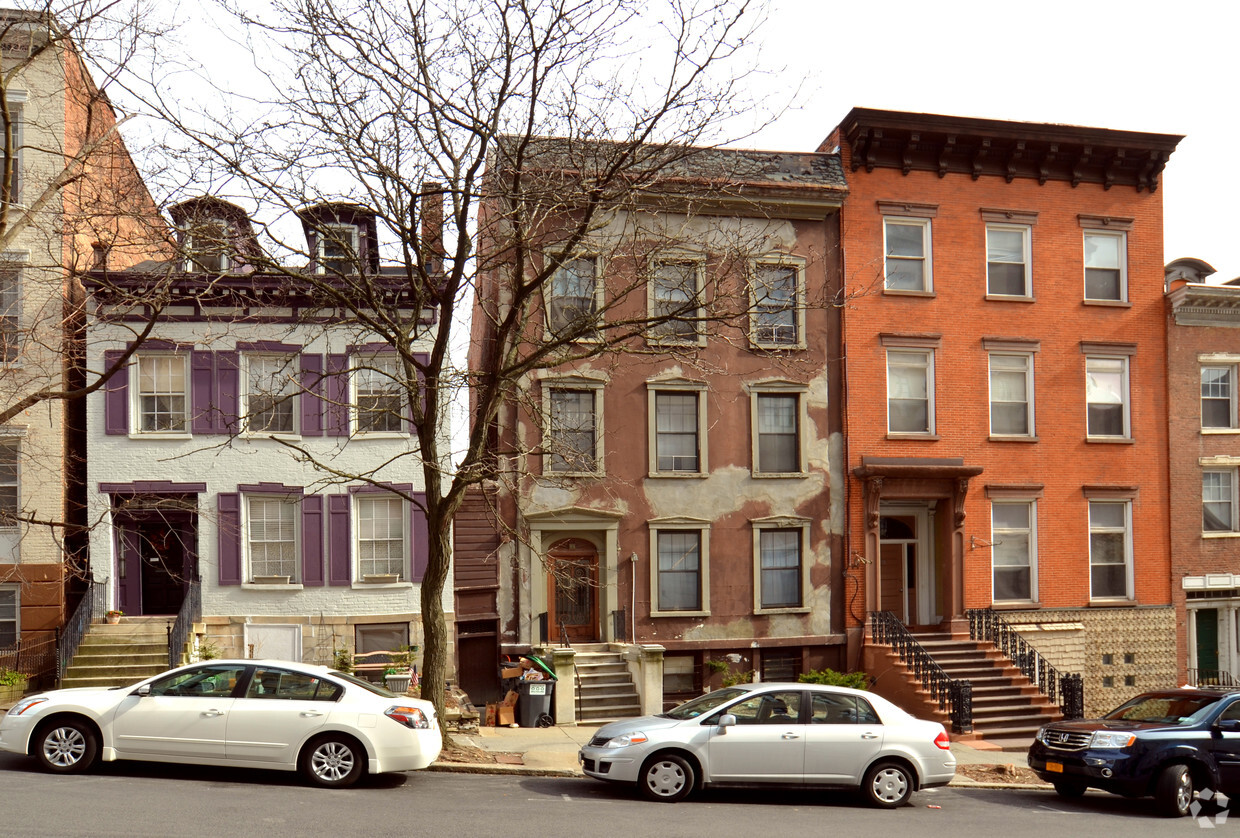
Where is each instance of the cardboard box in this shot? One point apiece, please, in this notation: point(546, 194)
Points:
point(510, 672)
point(510, 700)
point(506, 715)
point(492, 714)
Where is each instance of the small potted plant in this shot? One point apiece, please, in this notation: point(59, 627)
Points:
point(12, 685)
point(114, 616)
point(399, 673)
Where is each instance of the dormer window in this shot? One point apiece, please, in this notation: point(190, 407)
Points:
point(338, 249)
point(207, 246)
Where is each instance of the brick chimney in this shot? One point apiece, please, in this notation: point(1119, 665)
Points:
point(432, 226)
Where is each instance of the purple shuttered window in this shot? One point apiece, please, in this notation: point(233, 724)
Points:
point(336, 386)
point(338, 540)
point(115, 396)
point(312, 395)
point(419, 537)
point(228, 537)
point(201, 385)
point(227, 392)
point(312, 540)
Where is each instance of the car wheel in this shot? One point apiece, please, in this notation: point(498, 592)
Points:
point(888, 785)
point(1173, 795)
point(65, 747)
point(667, 777)
point(1070, 788)
point(333, 762)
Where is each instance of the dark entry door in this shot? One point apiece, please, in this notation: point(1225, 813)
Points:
point(155, 566)
point(572, 598)
point(1207, 645)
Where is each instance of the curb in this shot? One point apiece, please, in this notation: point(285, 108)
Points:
point(513, 770)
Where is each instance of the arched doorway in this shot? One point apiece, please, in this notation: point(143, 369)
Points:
point(572, 596)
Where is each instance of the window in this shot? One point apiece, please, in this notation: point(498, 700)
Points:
point(779, 708)
point(1106, 396)
point(677, 426)
point(780, 665)
point(1110, 550)
point(679, 562)
point(271, 394)
point(378, 396)
point(679, 674)
point(10, 615)
point(206, 246)
point(573, 431)
point(1218, 397)
point(10, 498)
point(217, 680)
point(910, 385)
point(1106, 273)
point(270, 683)
point(1218, 501)
point(381, 529)
point(777, 305)
point(674, 300)
point(162, 394)
point(573, 301)
point(338, 249)
point(1013, 550)
point(271, 527)
point(779, 433)
point(1007, 261)
point(1011, 389)
point(16, 130)
point(10, 310)
point(779, 563)
point(908, 254)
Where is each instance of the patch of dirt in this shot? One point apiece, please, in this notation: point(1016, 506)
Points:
point(1016, 774)
point(466, 754)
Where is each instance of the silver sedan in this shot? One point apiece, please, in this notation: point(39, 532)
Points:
point(778, 734)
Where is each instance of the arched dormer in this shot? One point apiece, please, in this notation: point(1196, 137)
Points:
point(340, 237)
point(214, 236)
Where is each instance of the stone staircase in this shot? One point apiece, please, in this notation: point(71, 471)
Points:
point(119, 655)
point(606, 691)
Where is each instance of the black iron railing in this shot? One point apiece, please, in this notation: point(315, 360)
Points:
point(1211, 678)
point(178, 632)
point(953, 695)
point(620, 626)
point(69, 638)
point(985, 624)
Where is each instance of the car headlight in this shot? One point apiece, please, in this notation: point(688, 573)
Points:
point(25, 704)
point(1108, 739)
point(635, 737)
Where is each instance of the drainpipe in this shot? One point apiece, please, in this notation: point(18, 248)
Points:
point(633, 597)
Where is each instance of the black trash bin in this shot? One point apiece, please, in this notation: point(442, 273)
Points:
point(534, 703)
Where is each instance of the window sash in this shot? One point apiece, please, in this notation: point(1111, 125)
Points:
point(573, 430)
point(378, 398)
point(10, 309)
point(206, 246)
point(270, 395)
point(1108, 550)
point(162, 393)
point(338, 249)
point(10, 600)
point(680, 570)
point(779, 450)
point(775, 304)
point(1007, 252)
point(10, 496)
point(908, 392)
point(272, 537)
point(906, 249)
point(676, 432)
point(1218, 501)
point(1218, 402)
point(1104, 266)
point(1106, 396)
point(779, 563)
point(1012, 551)
point(1009, 395)
point(381, 535)
point(674, 292)
point(573, 293)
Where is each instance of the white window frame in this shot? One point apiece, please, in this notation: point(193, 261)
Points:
point(17, 123)
point(778, 389)
point(1121, 239)
point(1026, 234)
point(926, 257)
point(1228, 482)
point(572, 384)
point(334, 234)
point(756, 330)
point(10, 315)
point(13, 591)
point(285, 502)
point(1233, 422)
point(197, 255)
point(927, 365)
point(999, 534)
point(1126, 531)
point(15, 444)
point(673, 525)
point(1027, 357)
point(364, 499)
point(1095, 361)
point(384, 366)
point(656, 333)
point(801, 526)
point(596, 299)
point(679, 388)
point(290, 395)
point(137, 394)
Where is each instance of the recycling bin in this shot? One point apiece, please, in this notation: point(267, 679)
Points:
point(534, 703)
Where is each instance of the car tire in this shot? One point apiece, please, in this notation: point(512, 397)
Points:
point(1070, 789)
point(667, 778)
point(66, 746)
point(888, 785)
point(1173, 794)
point(333, 761)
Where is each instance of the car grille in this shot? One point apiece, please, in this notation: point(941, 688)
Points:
point(599, 741)
point(1066, 740)
point(587, 765)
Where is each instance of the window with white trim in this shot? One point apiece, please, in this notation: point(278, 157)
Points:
point(678, 428)
point(10, 615)
point(1014, 550)
point(1106, 397)
point(1011, 394)
point(910, 391)
point(675, 300)
point(1218, 501)
point(573, 297)
point(906, 244)
point(162, 394)
point(17, 132)
point(337, 249)
point(1007, 260)
point(781, 567)
point(206, 246)
point(778, 305)
point(378, 395)
point(271, 539)
point(574, 428)
point(10, 311)
point(778, 427)
point(1106, 266)
point(1110, 549)
point(679, 574)
point(382, 538)
point(271, 394)
point(10, 483)
point(1218, 396)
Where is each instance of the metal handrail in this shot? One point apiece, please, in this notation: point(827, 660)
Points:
point(1211, 678)
point(953, 695)
point(985, 624)
point(178, 632)
point(70, 637)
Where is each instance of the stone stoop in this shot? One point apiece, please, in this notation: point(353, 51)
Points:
point(606, 691)
point(118, 655)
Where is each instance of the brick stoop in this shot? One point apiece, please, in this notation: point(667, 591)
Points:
point(121, 654)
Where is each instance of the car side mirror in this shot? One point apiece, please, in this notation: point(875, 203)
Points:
point(726, 721)
point(145, 689)
point(1229, 725)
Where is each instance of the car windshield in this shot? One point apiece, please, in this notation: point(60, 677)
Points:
point(1164, 708)
point(703, 704)
point(366, 685)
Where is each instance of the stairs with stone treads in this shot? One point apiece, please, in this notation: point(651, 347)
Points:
point(119, 655)
point(605, 690)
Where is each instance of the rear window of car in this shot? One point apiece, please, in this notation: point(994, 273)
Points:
point(366, 685)
point(1164, 708)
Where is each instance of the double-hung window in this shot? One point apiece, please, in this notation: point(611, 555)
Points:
point(1106, 266)
point(573, 430)
point(382, 538)
point(777, 305)
point(1011, 394)
point(778, 421)
point(271, 539)
point(10, 615)
point(271, 394)
point(337, 251)
point(1218, 501)
point(1013, 538)
point(907, 266)
point(679, 566)
point(206, 245)
point(780, 576)
point(910, 391)
point(1106, 397)
point(1007, 261)
point(17, 135)
point(1218, 396)
point(379, 395)
point(1110, 549)
point(162, 395)
point(10, 476)
point(572, 303)
point(675, 300)
point(10, 310)
point(677, 432)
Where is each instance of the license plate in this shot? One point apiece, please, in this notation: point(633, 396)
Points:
point(1054, 767)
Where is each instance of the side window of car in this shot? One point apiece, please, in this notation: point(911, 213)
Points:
point(218, 680)
point(833, 710)
point(1232, 713)
point(865, 713)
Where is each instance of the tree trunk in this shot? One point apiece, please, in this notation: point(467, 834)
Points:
point(434, 627)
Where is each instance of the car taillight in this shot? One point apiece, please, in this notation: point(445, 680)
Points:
point(942, 741)
point(410, 717)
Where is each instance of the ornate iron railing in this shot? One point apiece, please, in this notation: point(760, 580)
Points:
point(70, 637)
point(178, 632)
point(1211, 678)
point(35, 658)
point(985, 624)
point(953, 695)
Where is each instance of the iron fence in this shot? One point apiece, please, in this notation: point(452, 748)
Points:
point(953, 695)
point(179, 630)
point(985, 624)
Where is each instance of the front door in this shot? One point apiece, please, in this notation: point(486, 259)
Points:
point(572, 596)
point(155, 564)
point(906, 573)
point(1207, 644)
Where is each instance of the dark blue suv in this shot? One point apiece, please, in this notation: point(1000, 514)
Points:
point(1170, 744)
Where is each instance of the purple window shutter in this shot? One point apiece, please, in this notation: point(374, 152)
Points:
point(312, 540)
point(338, 540)
point(201, 383)
point(115, 396)
point(337, 389)
point(419, 358)
point(228, 396)
point(419, 536)
point(311, 395)
point(229, 537)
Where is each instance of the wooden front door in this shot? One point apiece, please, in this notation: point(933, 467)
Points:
point(155, 565)
point(572, 596)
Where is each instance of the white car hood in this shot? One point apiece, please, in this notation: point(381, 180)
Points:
point(642, 723)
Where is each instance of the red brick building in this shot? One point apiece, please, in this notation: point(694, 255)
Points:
point(1006, 403)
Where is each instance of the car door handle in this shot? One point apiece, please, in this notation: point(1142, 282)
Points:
point(869, 736)
point(791, 736)
point(309, 714)
point(212, 712)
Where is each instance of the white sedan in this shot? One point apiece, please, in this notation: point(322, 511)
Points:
point(245, 713)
